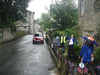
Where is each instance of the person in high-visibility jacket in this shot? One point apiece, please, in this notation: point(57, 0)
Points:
point(63, 41)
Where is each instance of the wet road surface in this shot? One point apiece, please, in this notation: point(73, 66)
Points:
point(21, 57)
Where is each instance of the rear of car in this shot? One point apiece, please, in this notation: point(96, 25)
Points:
point(38, 38)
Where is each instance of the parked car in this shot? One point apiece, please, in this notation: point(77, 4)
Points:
point(38, 38)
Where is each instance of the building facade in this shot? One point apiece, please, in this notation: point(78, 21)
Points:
point(89, 16)
point(30, 21)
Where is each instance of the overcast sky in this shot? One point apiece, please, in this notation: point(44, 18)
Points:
point(39, 6)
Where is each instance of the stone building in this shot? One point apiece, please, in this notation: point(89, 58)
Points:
point(30, 21)
point(89, 16)
point(27, 26)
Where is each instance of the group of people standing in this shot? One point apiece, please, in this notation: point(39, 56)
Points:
point(87, 49)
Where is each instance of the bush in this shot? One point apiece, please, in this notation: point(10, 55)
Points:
point(19, 34)
point(97, 55)
point(69, 32)
point(77, 49)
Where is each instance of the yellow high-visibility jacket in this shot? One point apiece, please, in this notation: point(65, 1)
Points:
point(63, 39)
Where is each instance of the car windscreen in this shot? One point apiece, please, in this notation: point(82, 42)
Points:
point(36, 35)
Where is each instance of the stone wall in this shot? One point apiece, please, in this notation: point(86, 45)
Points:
point(5, 35)
point(89, 18)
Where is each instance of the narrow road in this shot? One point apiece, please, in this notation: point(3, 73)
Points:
point(21, 57)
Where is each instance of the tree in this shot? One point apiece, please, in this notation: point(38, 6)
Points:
point(11, 11)
point(45, 21)
point(64, 15)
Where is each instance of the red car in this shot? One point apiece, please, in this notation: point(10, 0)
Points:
point(38, 38)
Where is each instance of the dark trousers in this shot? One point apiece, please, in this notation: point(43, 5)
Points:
point(63, 47)
point(71, 52)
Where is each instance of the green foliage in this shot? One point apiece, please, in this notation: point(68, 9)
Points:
point(61, 15)
point(11, 11)
point(77, 49)
point(20, 34)
point(45, 21)
point(64, 14)
point(97, 54)
point(70, 31)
